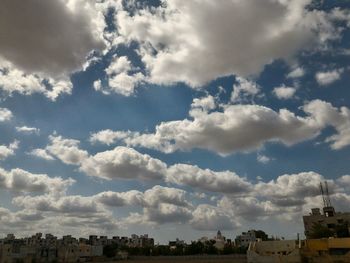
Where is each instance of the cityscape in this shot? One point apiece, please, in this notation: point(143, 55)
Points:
point(208, 131)
point(327, 240)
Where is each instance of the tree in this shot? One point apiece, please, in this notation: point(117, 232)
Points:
point(110, 250)
point(320, 231)
point(261, 234)
point(342, 230)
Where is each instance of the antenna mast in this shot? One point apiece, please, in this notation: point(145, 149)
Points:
point(323, 195)
point(328, 199)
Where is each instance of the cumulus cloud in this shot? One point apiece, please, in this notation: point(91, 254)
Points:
point(263, 159)
point(13, 80)
point(208, 180)
point(30, 43)
point(284, 92)
point(76, 205)
point(286, 197)
point(203, 49)
point(28, 130)
point(6, 151)
point(121, 78)
point(298, 72)
point(108, 136)
point(328, 77)
point(37, 59)
point(205, 103)
point(5, 114)
point(19, 180)
point(211, 218)
point(41, 153)
point(116, 199)
point(243, 127)
point(167, 213)
point(244, 89)
point(67, 150)
point(248, 208)
point(300, 185)
point(64, 214)
point(125, 163)
point(327, 115)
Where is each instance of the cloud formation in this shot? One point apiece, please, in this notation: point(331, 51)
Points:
point(18, 180)
point(240, 128)
point(28, 130)
point(6, 151)
point(284, 92)
point(5, 114)
point(328, 77)
point(203, 49)
point(41, 36)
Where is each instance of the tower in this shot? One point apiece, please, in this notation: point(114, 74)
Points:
point(328, 209)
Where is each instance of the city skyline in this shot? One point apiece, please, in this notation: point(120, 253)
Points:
point(173, 118)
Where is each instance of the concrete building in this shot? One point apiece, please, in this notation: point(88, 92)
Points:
point(276, 251)
point(325, 250)
point(67, 249)
point(246, 238)
point(329, 218)
point(220, 241)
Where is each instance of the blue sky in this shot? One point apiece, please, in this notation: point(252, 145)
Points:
point(172, 118)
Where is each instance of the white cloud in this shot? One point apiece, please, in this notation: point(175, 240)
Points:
point(237, 128)
point(6, 151)
point(327, 115)
point(108, 136)
point(296, 73)
point(207, 180)
point(124, 163)
point(284, 92)
point(19, 180)
point(30, 43)
point(36, 59)
point(14, 80)
point(211, 218)
point(328, 77)
point(5, 114)
point(67, 150)
point(203, 49)
point(205, 103)
point(244, 89)
point(244, 128)
point(263, 159)
point(300, 185)
point(28, 130)
point(248, 208)
point(116, 199)
point(41, 153)
point(121, 76)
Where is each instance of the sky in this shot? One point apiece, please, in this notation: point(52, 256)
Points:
point(171, 117)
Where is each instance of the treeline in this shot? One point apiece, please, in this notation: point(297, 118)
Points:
point(195, 248)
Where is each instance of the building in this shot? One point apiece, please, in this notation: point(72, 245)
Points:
point(275, 251)
point(220, 241)
point(329, 219)
point(323, 250)
point(246, 238)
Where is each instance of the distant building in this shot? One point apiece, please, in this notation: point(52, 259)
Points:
point(67, 249)
point(246, 238)
point(220, 241)
point(174, 244)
